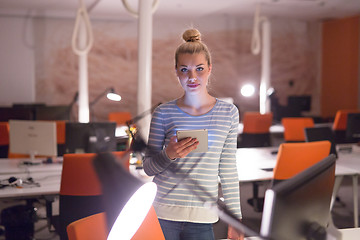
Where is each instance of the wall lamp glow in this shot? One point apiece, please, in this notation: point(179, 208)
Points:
point(247, 90)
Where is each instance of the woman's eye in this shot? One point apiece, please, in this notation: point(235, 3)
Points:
point(183, 70)
point(200, 69)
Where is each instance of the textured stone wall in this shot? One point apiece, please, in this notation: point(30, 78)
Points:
point(113, 62)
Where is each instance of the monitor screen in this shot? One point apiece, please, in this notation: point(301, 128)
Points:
point(353, 127)
point(319, 134)
point(90, 137)
point(300, 205)
point(33, 137)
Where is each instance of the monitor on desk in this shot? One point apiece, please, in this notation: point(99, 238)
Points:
point(302, 102)
point(33, 137)
point(90, 137)
point(319, 134)
point(353, 127)
point(299, 206)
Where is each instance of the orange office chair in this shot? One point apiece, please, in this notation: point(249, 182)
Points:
point(119, 117)
point(150, 228)
point(60, 135)
point(293, 158)
point(80, 190)
point(94, 228)
point(256, 131)
point(339, 125)
point(294, 128)
point(4, 139)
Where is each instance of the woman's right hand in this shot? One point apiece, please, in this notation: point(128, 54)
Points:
point(179, 149)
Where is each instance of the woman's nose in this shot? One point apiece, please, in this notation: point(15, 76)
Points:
point(192, 76)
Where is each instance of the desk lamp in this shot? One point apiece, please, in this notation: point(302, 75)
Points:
point(127, 199)
point(110, 94)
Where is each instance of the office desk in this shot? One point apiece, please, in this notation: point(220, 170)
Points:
point(16, 165)
point(251, 163)
point(44, 184)
point(46, 179)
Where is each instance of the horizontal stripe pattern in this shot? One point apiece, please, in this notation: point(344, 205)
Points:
point(175, 178)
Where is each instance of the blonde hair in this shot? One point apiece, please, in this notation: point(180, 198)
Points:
point(192, 45)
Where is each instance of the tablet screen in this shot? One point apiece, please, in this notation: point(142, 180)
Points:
point(200, 134)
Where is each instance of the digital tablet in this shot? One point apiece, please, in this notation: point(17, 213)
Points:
point(200, 134)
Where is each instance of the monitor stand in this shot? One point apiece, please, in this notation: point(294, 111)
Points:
point(332, 233)
point(32, 155)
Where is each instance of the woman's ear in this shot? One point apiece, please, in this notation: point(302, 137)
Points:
point(210, 68)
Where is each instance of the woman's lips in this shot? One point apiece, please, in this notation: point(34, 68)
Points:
point(193, 85)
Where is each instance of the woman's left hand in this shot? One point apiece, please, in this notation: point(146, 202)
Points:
point(233, 234)
point(179, 149)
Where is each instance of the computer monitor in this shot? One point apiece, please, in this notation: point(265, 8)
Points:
point(319, 134)
point(301, 102)
point(353, 127)
point(33, 137)
point(300, 206)
point(90, 137)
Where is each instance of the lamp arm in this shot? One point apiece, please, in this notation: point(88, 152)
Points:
point(140, 144)
point(100, 96)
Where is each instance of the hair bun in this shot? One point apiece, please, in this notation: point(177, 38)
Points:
point(192, 35)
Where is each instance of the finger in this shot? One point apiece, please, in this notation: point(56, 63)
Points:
point(173, 139)
point(185, 151)
point(187, 142)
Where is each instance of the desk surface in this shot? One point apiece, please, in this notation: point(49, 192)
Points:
point(46, 178)
point(18, 165)
point(43, 183)
point(252, 162)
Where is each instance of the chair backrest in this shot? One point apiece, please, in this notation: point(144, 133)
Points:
point(294, 128)
point(150, 228)
point(4, 133)
point(255, 122)
point(94, 228)
point(4, 139)
point(293, 158)
point(80, 189)
point(60, 132)
point(119, 117)
point(340, 119)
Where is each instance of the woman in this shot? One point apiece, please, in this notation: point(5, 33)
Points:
point(187, 180)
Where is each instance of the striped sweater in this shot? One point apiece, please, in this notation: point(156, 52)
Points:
point(184, 184)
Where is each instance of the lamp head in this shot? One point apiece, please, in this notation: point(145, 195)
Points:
point(126, 199)
point(111, 95)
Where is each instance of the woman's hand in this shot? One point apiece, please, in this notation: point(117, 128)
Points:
point(235, 235)
point(182, 148)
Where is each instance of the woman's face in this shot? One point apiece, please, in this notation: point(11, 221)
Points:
point(193, 72)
